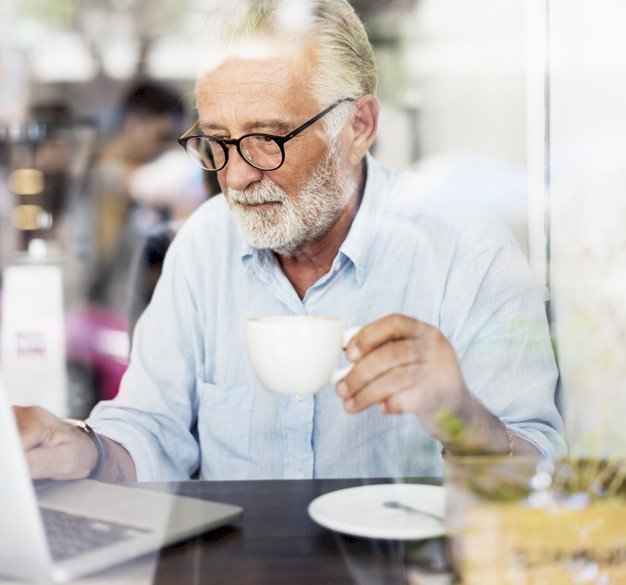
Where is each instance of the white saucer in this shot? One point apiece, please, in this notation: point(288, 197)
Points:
point(360, 511)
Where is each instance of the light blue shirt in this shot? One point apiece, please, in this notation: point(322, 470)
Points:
point(189, 398)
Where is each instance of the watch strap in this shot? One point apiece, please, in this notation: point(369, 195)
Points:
point(83, 426)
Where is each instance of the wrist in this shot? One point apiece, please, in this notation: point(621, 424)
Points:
point(474, 430)
point(463, 448)
point(96, 468)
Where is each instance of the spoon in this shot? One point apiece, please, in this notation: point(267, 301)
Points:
point(400, 506)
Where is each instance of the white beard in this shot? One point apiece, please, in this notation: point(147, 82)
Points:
point(288, 224)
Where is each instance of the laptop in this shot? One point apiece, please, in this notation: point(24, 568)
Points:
point(58, 531)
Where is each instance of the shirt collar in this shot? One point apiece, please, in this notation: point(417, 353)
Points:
point(356, 246)
point(360, 238)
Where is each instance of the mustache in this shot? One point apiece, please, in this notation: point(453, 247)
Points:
point(263, 192)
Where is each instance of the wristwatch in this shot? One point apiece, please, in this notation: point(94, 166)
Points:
point(83, 426)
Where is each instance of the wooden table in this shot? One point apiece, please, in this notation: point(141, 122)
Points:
point(276, 543)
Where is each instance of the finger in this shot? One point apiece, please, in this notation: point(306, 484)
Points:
point(383, 387)
point(380, 361)
point(60, 462)
point(432, 392)
point(49, 462)
point(410, 399)
point(389, 328)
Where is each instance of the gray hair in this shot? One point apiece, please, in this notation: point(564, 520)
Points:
point(346, 66)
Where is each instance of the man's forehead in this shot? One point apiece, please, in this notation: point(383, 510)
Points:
point(270, 65)
point(255, 90)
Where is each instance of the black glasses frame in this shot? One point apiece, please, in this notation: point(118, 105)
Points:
point(279, 140)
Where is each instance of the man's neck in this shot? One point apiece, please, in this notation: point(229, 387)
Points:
point(305, 266)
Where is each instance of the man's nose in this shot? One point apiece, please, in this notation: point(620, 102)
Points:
point(238, 174)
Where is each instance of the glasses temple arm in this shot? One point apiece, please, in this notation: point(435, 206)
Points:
point(315, 119)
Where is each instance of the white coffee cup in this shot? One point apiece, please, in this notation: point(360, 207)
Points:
point(297, 354)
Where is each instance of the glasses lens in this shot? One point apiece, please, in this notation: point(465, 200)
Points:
point(206, 152)
point(262, 151)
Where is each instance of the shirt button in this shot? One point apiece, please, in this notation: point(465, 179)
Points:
point(300, 397)
point(299, 474)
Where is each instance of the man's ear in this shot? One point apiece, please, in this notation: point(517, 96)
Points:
point(364, 127)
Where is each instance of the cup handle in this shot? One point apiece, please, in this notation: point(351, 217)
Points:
point(348, 334)
point(341, 373)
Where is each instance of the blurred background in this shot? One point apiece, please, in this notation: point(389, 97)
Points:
point(514, 105)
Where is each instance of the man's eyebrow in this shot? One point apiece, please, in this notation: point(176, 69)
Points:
point(274, 125)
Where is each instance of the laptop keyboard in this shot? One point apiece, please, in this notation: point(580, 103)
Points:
point(70, 535)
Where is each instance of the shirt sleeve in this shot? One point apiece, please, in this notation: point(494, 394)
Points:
point(494, 317)
point(154, 413)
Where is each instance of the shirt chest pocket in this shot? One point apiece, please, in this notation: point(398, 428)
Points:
point(224, 420)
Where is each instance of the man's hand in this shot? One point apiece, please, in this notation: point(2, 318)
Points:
point(54, 449)
point(405, 366)
point(58, 450)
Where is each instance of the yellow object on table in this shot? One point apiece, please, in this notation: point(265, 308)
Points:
point(512, 544)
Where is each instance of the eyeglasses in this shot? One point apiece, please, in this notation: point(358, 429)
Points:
point(265, 152)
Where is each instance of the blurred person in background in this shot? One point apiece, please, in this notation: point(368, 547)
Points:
point(149, 257)
point(454, 348)
point(136, 182)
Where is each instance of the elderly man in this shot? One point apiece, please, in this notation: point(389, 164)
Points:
point(455, 349)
